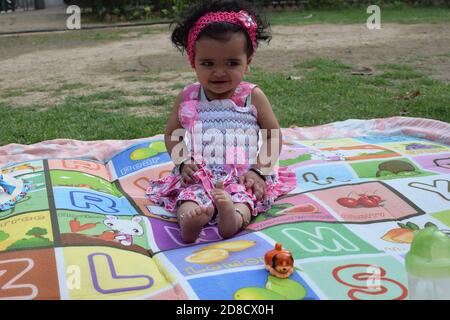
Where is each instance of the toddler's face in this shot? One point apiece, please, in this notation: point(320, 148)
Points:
point(221, 65)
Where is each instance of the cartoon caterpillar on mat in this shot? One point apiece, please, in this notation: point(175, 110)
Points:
point(22, 167)
point(395, 166)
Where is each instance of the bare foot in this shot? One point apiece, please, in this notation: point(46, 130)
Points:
point(229, 221)
point(191, 219)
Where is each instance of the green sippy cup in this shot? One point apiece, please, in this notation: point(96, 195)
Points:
point(428, 265)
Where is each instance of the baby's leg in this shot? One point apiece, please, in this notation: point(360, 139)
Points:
point(230, 221)
point(191, 218)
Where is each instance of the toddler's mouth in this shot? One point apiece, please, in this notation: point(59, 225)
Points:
point(219, 82)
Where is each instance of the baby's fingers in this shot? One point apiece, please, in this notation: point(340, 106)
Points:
point(258, 192)
point(249, 183)
point(188, 179)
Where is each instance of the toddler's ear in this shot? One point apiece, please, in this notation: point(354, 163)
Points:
point(249, 61)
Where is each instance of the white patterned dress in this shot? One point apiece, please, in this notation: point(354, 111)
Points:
point(209, 124)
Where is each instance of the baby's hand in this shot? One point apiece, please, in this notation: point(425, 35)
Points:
point(254, 182)
point(187, 173)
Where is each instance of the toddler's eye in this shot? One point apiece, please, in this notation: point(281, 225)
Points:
point(233, 63)
point(207, 63)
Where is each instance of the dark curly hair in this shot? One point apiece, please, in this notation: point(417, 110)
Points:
point(221, 31)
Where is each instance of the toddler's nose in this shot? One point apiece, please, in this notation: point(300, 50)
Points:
point(219, 73)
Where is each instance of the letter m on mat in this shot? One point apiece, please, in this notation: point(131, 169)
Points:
point(321, 239)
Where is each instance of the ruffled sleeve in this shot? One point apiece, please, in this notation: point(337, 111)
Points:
point(242, 92)
point(187, 112)
point(286, 182)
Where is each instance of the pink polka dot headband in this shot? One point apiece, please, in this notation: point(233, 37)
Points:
point(241, 18)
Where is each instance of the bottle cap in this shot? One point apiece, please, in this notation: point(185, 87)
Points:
point(429, 255)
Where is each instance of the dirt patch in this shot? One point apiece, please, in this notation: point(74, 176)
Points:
point(53, 18)
point(420, 45)
point(151, 63)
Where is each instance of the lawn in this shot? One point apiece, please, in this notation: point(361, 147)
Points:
point(323, 91)
point(398, 14)
point(328, 92)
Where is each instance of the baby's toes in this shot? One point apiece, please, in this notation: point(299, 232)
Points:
point(186, 215)
point(196, 212)
point(204, 211)
point(219, 193)
point(218, 197)
point(222, 199)
point(209, 210)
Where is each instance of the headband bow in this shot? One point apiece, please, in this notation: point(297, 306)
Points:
point(241, 18)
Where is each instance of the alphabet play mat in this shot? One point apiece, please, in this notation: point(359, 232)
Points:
point(76, 223)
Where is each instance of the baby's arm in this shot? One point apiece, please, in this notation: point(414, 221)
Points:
point(271, 133)
point(271, 145)
point(175, 144)
point(174, 134)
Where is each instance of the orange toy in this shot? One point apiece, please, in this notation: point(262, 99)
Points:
point(279, 262)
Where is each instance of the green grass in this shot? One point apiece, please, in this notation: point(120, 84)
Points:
point(147, 92)
point(118, 99)
point(401, 14)
point(65, 87)
point(400, 72)
point(93, 19)
point(11, 93)
point(99, 96)
point(72, 86)
point(85, 35)
point(73, 121)
point(178, 86)
point(327, 92)
point(140, 78)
